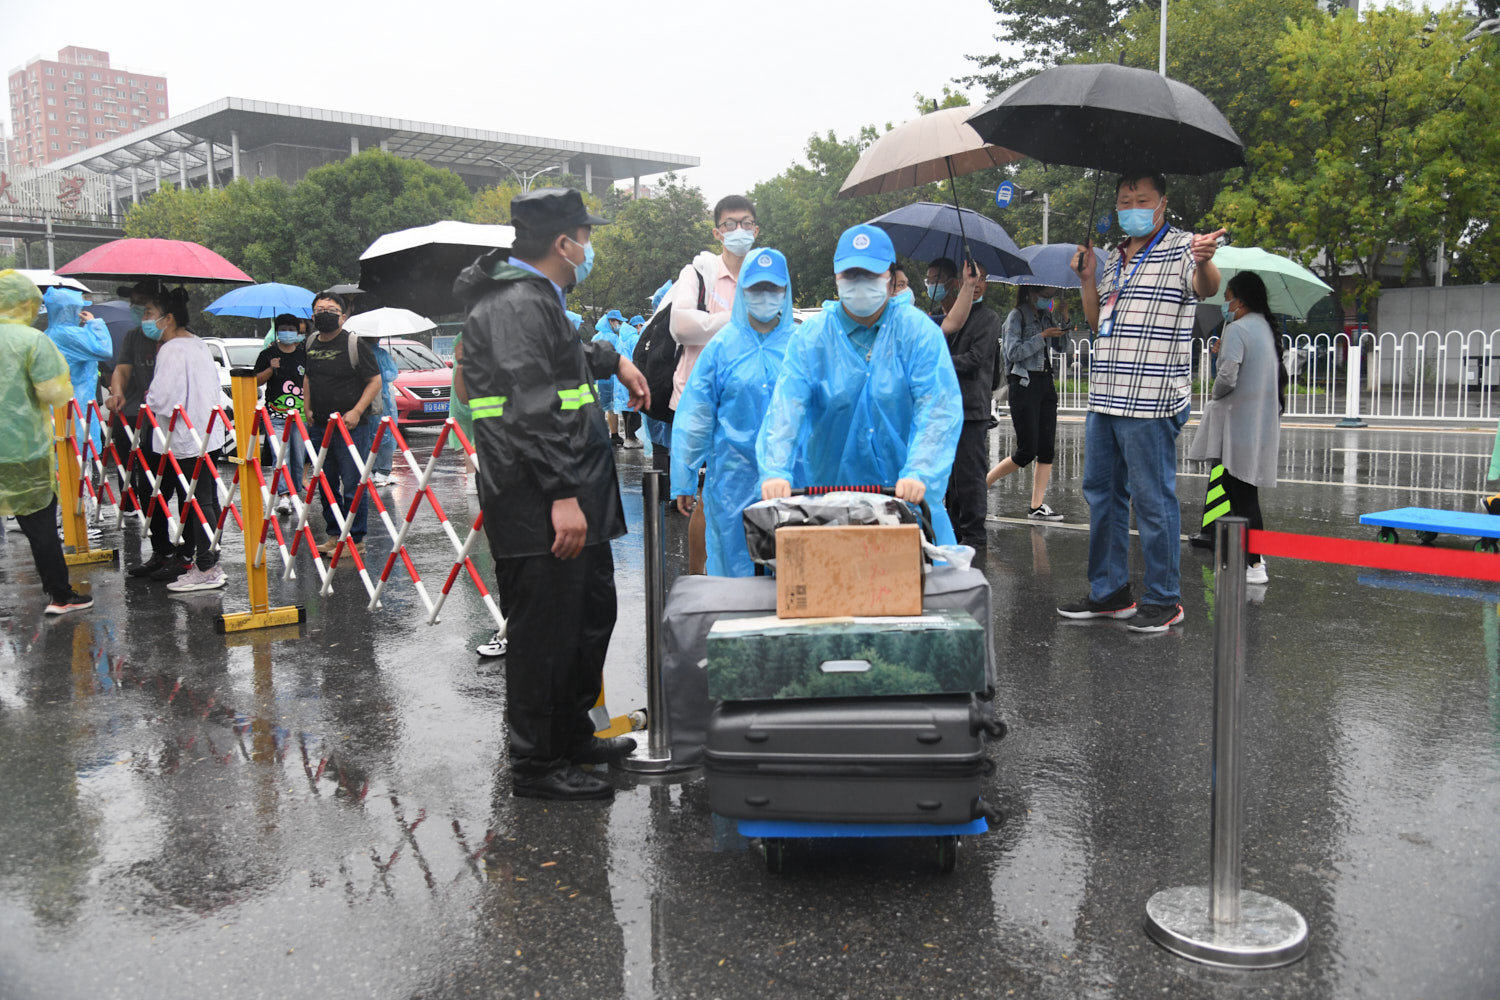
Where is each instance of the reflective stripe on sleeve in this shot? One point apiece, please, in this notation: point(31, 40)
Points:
point(486, 406)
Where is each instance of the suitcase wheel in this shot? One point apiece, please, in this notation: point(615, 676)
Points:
point(947, 852)
point(774, 849)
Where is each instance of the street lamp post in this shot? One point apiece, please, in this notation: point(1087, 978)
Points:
point(526, 180)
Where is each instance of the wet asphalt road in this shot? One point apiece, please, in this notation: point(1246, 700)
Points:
point(324, 810)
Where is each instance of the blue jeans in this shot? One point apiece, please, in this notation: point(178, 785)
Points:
point(295, 456)
point(1125, 460)
point(343, 477)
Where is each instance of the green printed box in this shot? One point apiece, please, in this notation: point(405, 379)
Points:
point(757, 657)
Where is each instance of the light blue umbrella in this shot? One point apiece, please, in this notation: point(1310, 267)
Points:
point(264, 301)
point(1052, 266)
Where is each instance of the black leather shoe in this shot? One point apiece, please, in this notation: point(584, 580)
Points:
point(171, 570)
point(567, 784)
point(1202, 540)
point(609, 751)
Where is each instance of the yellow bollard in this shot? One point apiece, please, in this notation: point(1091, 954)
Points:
point(70, 498)
point(247, 441)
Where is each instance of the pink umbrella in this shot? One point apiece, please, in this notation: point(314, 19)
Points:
point(938, 146)
point(176, 260)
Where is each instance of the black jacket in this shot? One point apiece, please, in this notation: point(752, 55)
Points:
point(538, 430)
point(973, 349)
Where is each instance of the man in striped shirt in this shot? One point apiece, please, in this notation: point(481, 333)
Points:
point(1140, 381)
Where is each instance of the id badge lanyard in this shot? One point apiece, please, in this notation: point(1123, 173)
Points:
point(1107, 320)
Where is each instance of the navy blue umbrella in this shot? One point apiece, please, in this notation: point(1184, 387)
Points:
point(926, 231)
point(1052, 266)
point(118, 318)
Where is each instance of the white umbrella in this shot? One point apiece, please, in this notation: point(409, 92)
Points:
point(42, 278)
point(388, 322)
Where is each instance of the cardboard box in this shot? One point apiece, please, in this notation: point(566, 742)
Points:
point(757, 657)
point(831, 571)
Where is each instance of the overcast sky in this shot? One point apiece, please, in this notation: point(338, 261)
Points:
point(741, 86)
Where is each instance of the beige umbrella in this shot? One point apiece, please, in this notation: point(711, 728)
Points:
point(937, 146)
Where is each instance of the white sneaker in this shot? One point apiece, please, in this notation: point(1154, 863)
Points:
point(380, 480)
point(471, 484)
point(284, 504)
point(1257, 573)
point(1044, 513)
point(198, 579)
point(495, 647)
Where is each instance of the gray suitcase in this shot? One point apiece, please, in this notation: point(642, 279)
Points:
point(857, 760)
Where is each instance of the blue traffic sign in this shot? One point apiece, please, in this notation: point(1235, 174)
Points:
point(1004, 194)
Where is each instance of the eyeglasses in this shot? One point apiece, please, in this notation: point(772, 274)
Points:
point(730, 225)
point(328, 312)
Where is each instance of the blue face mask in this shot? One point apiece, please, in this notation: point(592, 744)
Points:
point(905, 297)
point(764, 306)
point(288, 336)
point(581, 271)
point(739, 242)
point(937, 293)
point(863, 297)
point(1228, 312)
point(150, 329)
point(1044, 305)
point(1138, 221)
point(139, 312)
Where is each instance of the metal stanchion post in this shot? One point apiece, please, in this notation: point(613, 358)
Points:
point(656, 756)
point(1223, 924)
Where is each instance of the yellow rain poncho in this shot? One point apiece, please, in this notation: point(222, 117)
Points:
point(36, 380)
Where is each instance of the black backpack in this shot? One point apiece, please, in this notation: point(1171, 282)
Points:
point(656, 354)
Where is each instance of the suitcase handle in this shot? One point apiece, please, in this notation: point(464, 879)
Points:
point(925, 512)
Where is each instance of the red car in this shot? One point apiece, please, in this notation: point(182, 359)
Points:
point(423, 386)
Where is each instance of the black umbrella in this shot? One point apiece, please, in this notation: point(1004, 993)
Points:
point(1113, 118)
point(415, 268)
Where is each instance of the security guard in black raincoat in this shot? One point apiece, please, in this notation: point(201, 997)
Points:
point(548, 487)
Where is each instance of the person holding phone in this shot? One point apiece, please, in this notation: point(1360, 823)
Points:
point(1031, 334)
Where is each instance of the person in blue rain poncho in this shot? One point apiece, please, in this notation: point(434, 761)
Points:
point(867, 394)
point(630, 421)
point(723, 405)
point(608, 330)
point(84, 342)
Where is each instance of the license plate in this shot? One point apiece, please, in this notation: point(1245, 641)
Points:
point(435, 406)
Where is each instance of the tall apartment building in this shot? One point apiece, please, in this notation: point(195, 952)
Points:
point(64, 106)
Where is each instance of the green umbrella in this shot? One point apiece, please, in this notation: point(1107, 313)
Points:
point(1293, 289)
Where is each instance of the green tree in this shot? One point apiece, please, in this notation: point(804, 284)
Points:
point(1037, 34)
point(648, 242)
point(170, 214)
point(1382, 133)
point(491, 205)
point(338, 210)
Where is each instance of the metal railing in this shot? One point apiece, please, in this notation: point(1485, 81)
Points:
point(1427, 377)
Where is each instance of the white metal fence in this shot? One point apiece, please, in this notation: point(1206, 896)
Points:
point(1432, 376)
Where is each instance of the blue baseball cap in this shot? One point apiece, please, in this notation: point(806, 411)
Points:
point(637, 321)
point(615, 314)
point(865, 247)
point(764, 264)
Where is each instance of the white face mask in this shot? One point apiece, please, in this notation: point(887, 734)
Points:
point(764, 306)
point(863, 296)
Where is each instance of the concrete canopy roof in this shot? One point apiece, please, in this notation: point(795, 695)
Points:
point(261, 123)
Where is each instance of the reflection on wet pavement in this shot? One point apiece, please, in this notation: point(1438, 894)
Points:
point(325, 810)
